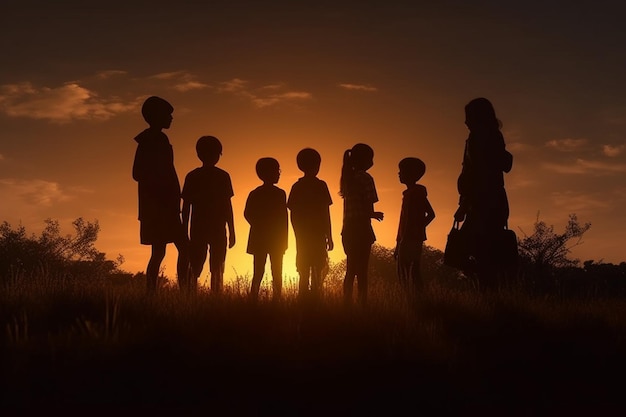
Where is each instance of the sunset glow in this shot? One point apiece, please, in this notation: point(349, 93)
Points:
point(273, 80)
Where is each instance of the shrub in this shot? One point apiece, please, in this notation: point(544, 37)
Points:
point(51, 254)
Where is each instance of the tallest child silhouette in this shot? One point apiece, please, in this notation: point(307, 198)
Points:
point(159, 192)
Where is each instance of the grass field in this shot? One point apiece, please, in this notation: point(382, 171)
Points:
point(99, 348)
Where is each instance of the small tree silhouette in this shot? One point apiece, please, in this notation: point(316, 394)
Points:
point(51, 253)
point(545, 251)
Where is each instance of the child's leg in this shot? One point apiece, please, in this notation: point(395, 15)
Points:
point(217, 278)
point(362, 263)
point(303, 270)
point(259, 271)
point(217, 258)
point(197, 257)
point(416, 271)
point(316, 281)
point(401, 272)
point(152, 270)
point(348, 280)
point(276, 264)
point(404, 267)
point(316, 276)
point(182, 265)
point(303, 284)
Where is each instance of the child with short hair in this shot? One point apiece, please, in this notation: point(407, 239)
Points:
point(207, 194)
point(309, 201)
point(266, 212)
point(159, 192)
point(416, 213)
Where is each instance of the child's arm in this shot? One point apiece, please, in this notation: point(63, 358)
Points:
point(430, 214)
point(329, 233)
point(145, 168)
point(372, 196)
point(185, 214)
point(249, 211)
point(459, 214)
point(231, 224)
point(378, 215)
point(139, 164)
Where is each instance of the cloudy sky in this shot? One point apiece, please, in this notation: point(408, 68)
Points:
point(269, 78)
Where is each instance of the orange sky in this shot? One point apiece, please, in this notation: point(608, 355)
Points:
point(271, 79)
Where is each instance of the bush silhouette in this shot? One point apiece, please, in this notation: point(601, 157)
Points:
point(52, 254)
point(545, 252)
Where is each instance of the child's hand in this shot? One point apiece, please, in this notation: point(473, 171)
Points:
point(459, 215)
point(378, 215)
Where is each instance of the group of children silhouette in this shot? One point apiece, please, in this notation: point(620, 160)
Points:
point(206, 226)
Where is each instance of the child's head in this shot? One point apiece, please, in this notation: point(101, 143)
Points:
point(480, 115)
point(411, 170)
point(157, 112)
point(309, 161)
point(209, 149)
point(361, 157)
point(268, 170)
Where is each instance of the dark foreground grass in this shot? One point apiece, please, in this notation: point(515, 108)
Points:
point(94, 349)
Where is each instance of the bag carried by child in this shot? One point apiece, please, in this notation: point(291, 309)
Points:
point(506, 253)
point(458, 253)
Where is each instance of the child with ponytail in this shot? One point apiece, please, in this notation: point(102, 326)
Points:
point(359, 195)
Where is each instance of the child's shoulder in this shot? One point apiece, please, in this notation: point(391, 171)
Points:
point(220, 170)
point(318, 180)
point(267, 192)
point(310, 182)
point(363, 176)
point(320, 185)
point(148, 136)
point(254, 193)
point(194, 172)
point(209, 171)
point(276, 192)
point(417, 190)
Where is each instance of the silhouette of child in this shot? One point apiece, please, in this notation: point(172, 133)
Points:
point(415, 215)
point(159, 192)
point(266, 212)
point(359, 195)
point(309, 201)
point(207, 194)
